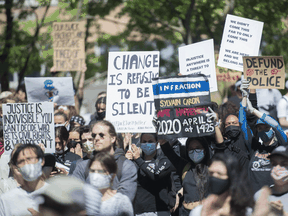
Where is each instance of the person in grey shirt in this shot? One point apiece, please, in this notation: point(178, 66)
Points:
point(278, 199)
point(105, 140)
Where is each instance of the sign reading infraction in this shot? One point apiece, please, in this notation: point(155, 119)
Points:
point(69, 46)
point(180, 102)
point(264, 72)
point(28, 123)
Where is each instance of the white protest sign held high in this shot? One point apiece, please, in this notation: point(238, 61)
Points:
point(130, 101)
point(28, 123)
point(50, 89)
point(199, 58)
point(241, 37)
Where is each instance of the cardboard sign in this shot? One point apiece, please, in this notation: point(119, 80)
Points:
point(28, 123)
point(130, 104)
point(199, 58)
point(69, 46)
point(179, 103)
point(241, 37)
point(265, 72)
point(50, 89)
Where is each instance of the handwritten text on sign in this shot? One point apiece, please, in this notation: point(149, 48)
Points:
point(68, 45)
point(241, 37)
point(264, 72)
point(184, 122)
point(28, 123)
point(130, 104)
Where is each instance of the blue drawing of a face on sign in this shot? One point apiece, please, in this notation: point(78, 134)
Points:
point(51, 90)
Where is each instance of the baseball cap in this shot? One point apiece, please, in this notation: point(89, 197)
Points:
point(65, 190)
point(280, 150)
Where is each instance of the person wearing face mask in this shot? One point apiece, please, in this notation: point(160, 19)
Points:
point(230, 192)
point(269, 135)
point(28, 159)
point(103, 200)
point(100, 113)
point(236, 136)
point(62, 154)
point(194, 171)
point(279, 173)
point(153, 183)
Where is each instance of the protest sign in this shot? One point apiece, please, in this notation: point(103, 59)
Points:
point(264, 72)
point(225, 74)
point(199, 58)
point(180, 102)
point(28, 123)
point(50, 89)
point(130, 103)
point(241, 37)
point(68, 46)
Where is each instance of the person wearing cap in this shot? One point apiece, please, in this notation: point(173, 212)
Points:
point(269, 135)
point(64, 196)
point(28, 159)
point(282, 110)
point(279, 173)
point(100, 113)
point(76, 121)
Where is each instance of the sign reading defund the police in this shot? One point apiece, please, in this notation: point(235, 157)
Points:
point(264, 72)
point(130, 103)
point(180, 103)
point(28, 123)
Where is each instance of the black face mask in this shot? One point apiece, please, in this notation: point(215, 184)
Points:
point(101, 115)
point(232, 131)
point(218, 186)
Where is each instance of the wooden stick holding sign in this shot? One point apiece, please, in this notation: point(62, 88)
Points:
point(264, 72)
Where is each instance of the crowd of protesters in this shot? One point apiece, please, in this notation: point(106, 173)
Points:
point(242, 169)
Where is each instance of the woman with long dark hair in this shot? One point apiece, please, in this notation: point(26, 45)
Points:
point(230, 191)
point(194, 171)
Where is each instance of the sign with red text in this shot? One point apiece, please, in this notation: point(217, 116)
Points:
point(199, 58)
point(28, 123)
point(69, 45)
point(241, 37)
point(180, 103)
point(264, 72)
point(130, 102)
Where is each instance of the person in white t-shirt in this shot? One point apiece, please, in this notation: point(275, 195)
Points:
point(282, 110)
point(28, 159)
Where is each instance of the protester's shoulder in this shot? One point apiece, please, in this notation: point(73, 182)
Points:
point(83, 163)
point(12, 193)
point(196, 211)
point(72, 155)
point(128, 164)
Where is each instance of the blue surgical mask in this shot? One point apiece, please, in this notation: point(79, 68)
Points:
point(196, 155)
point(148, 148)
point(266, 136)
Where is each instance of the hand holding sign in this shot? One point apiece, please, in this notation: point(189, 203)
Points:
point(135, 152)
point(244, 88)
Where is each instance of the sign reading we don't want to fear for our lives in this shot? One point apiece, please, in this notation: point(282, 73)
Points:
point(264, 72)
point(69, 45)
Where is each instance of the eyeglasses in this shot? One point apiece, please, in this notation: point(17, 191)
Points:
point(196, 150)
point(29, 160)
point(100, 134)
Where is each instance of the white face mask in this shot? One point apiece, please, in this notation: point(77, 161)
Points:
point(61, 151)
point(31, 172)
point(89, 146)
point(100, 181)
